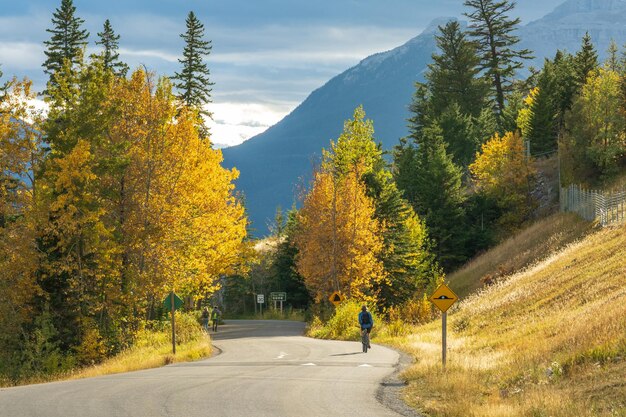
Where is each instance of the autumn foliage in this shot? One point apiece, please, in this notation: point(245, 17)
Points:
point(503, 172)
point(339, 239)
point(123, 203)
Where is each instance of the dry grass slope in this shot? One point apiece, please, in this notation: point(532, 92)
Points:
point(519, 251)
point(547, 341)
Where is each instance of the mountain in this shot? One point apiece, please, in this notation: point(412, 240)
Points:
point(566, 25)
point(276, 164)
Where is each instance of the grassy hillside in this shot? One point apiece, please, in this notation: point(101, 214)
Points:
point(547, 341)
point(519, 251)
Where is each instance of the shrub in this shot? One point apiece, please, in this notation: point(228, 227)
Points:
point(343, 325)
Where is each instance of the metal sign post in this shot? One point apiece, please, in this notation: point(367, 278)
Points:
point(173, 302)
point(443, 298)
point(444, 342)
point(260, 298)
point(173, 322)
point(278, 297)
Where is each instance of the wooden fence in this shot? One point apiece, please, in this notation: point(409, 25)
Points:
point(605, 207)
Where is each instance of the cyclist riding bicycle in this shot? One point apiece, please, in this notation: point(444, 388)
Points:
point(366, 321)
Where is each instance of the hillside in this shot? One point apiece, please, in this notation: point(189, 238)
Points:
point(277, 163)
point(546, 341)
point(519, 251)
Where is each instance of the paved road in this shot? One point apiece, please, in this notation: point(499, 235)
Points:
point(265, 368)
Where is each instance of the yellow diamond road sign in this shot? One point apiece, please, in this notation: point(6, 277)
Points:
point(336, 298)
point(443, 297)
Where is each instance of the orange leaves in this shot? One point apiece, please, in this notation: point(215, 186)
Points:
point(339, 239)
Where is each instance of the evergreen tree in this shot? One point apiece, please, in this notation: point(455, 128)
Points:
point(453, 95)
point(612, 60)
point(441, 198)
point(541, 133)
point(586, 60)
point(432, 184)
point(110, 55)
point(192, 82)
point(284, 267)
point(67, 41)
point(453, 77)
point(509, 118)
point(493, 30)
point(461, 137)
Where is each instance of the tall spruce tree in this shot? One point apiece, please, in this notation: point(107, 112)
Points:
point(432, 184)
point(110, 56)
point(453, 76)
point(436, 194)
point(453, 95)
point(612, 59)
point(493, 31)
point(284, 268)
point(192, 82)
point(67, 41)
point(586, 60)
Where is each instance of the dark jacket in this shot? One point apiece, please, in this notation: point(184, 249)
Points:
point(362, 319)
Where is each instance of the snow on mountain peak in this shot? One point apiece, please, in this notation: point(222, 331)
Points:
point(575, 7)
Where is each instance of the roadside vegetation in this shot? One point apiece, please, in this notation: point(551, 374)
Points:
point(151, 348)
point(546, 341)
point(115, 197)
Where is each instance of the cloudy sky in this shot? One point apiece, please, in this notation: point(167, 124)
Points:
point(268, 55)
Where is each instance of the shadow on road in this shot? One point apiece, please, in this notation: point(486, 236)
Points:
point(347, 354)
point(242, 329)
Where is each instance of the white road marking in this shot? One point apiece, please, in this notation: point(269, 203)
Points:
point(365, 365)
point(281, 355)
point(309, 364)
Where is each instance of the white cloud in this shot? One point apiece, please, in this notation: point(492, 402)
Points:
point(234, 123)
point(19, 56)
point(148, 53)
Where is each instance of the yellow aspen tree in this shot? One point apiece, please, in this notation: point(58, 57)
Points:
point(339, 240)
point(183, 224)
point(503, 172)
point(21, 155)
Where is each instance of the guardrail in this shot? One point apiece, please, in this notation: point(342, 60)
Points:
point(605, 207)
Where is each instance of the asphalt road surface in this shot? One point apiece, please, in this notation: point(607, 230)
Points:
point(265, 368)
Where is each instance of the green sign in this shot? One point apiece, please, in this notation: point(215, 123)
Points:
point(278, 296)
point(167, 302)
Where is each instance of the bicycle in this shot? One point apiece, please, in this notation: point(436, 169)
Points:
point(365, 340)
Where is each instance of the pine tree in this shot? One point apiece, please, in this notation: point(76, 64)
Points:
point(540, 129)
point(284, 267)
point(493, 30)
point(453, 77)
point(586, 60)
point(67, 40)
point(192, 82)
point(612, 59)
point(460, 135)
point(435, 192)
point(564, 83)
point(110, 55)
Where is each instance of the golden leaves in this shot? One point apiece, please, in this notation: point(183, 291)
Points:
point(339, 239)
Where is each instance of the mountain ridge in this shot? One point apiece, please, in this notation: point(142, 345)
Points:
point(276, 164)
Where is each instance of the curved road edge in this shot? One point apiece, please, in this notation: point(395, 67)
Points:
point(389, 393)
